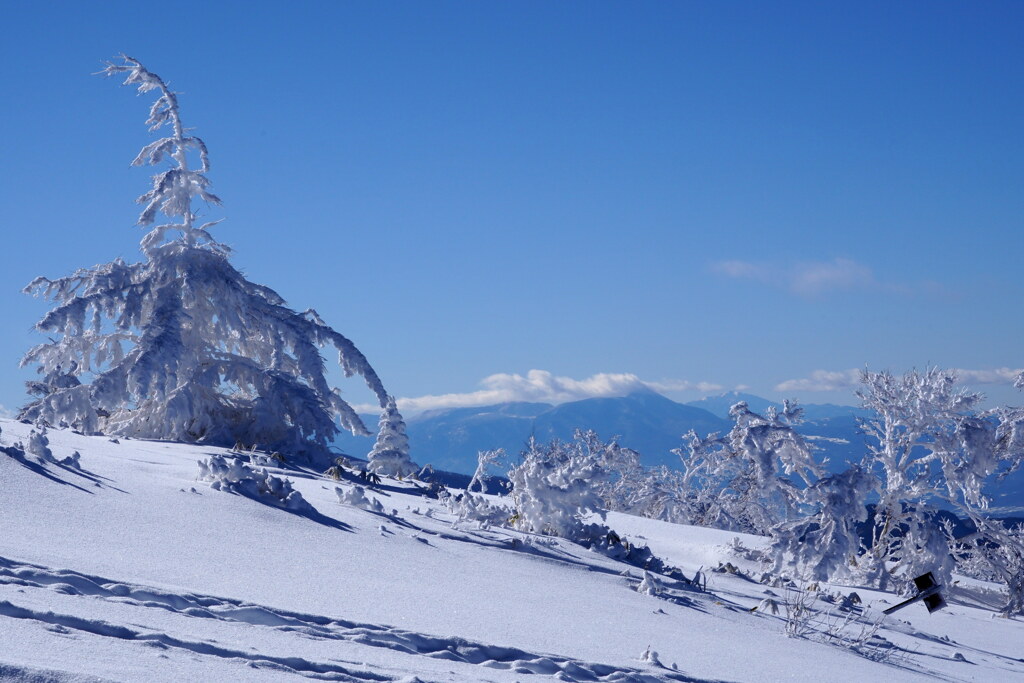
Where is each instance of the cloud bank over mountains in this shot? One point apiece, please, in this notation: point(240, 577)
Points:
point(541, 386)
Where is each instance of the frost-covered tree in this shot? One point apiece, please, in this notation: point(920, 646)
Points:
point(749, 472)
point(821, 545)
point(997, 550)
point(181, 345)
point(929, 443)
point(485, 461)
point(390, 454)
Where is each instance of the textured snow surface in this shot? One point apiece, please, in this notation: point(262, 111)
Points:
point(132, 569)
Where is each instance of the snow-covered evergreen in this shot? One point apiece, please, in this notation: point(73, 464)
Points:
point(181, 345)
point(390, 454)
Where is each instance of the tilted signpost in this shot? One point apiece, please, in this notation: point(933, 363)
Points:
point(928, 591)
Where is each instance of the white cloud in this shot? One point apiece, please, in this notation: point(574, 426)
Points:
point(816, 278)
point(996, 376)
point(5, 412)
point(840, 380)
point(544, 387)
point(822, 380)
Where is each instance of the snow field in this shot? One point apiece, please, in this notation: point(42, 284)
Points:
point(131, 569)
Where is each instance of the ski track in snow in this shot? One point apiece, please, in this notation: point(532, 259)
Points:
point(191, 605)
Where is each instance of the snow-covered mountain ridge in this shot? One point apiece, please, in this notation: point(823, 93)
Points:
point(132, 569)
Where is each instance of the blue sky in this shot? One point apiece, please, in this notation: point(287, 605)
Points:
point(696, 195)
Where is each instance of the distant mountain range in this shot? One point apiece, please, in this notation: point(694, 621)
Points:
point(645, 421)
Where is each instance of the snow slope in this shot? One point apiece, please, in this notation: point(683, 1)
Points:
point(132, 570)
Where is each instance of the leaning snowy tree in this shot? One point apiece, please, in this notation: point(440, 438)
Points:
point(181, 346)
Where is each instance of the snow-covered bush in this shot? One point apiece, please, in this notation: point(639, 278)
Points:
point(469, 508)
point(181, 345)
point(234, 476)
point(356, 496)
point(557, 487)
point(390, 454)
point(16, 450)
point(554, 488)
point(61, 401)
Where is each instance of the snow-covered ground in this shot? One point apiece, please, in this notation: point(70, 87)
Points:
point(131, 569)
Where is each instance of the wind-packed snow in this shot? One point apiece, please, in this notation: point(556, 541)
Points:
point(135, 568)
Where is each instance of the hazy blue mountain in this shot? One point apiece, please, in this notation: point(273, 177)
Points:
point(449, 439)
point(645, 421)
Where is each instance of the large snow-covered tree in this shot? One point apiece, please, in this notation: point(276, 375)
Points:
point(929, 444)
point(181, 345)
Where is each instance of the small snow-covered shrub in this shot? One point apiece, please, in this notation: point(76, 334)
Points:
point(469, 508)
point(356, 496)
point(821, 545)
point(236, 477)
point(555, 488)
point(748, 476)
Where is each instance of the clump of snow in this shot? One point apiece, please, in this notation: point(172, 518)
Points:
point(39, 446)
point(356, 497)
point(17, 450)
point(236, 477)
point(650, 585)
point(73, 460)
point(650, 656)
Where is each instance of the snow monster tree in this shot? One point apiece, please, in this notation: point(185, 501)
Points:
point(181, 346)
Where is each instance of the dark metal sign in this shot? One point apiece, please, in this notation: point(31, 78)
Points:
point(928, 590)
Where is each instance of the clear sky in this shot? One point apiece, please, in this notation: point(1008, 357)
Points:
point(699, 195)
